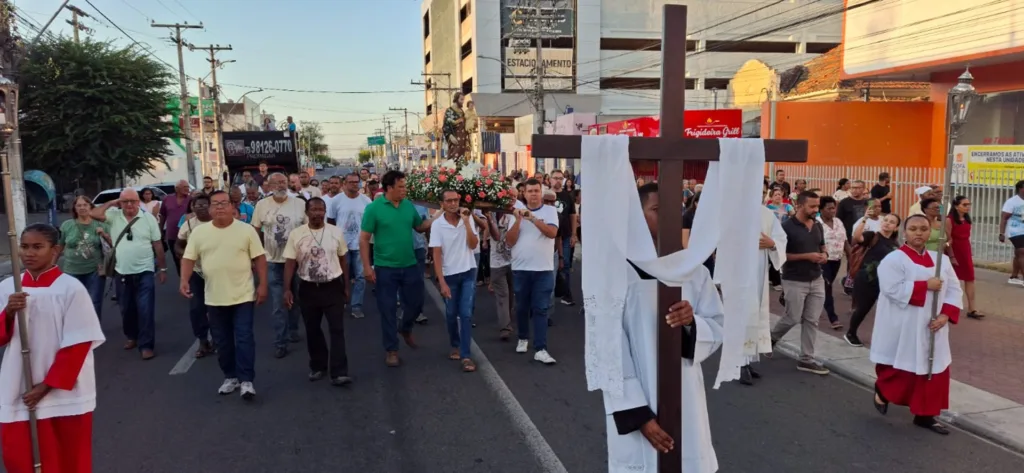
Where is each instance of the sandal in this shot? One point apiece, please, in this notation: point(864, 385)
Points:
point(454, 355)
point(930, 424)
point(504, 334)
point(205, 349)
point(975, 315)
point(837, 325)
point(130, 345)
point(468, 366)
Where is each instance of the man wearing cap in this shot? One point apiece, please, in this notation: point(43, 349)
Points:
point(923, 192)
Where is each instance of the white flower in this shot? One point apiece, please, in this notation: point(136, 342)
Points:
point(449, 163)
point(470, 171)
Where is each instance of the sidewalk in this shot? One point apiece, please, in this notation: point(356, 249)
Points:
point(987, 391)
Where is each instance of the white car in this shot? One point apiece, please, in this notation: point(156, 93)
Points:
point(112, 194)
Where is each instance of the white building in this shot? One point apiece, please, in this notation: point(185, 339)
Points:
point(604, 56)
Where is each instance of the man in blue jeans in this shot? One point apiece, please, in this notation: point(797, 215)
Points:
point(394, 269)
point(532, 238)
point(453, 239)
point(137, 238)
point(230, 250)
point(565, 204)
point(345, 210)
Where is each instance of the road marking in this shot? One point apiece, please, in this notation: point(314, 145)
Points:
point(186, 361)
point(527, 429)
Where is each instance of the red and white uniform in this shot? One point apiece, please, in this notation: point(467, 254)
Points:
point(900, 339)
point(63, 331)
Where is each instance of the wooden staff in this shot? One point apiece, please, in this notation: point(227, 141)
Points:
point(26, 354)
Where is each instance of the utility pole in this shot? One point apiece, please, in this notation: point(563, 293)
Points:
point(186, 120)
point(217, 124)
point(405, 112)
point(75, 13)
point(535, 21)
point(389, 139)
point(202, 130)
point(714, 92)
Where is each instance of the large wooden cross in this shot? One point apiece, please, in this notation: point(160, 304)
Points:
point(670, 149)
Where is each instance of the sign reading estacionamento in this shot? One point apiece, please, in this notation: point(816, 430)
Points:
point(1000, 165)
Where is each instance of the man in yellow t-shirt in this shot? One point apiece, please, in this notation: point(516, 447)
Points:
point(229, 249)
point(316, 254)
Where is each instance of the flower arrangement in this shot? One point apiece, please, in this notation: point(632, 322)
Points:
point(478, 186)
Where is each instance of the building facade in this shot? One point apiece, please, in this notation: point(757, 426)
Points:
point(604, 56)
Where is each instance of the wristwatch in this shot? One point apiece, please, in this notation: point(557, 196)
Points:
point(163, 270)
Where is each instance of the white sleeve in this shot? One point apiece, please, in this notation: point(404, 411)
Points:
point(550, 215)
point(81, 324)
point(332, 210)
point(632, 391)
point(892, 279)
point(953, 293)
point(435, 236)
point(708, 318)
point(778, 255)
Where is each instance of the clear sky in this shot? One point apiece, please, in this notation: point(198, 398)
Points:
point(338, 45)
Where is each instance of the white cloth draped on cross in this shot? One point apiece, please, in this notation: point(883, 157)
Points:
point(616, 231)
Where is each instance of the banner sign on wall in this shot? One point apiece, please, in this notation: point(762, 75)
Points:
point(523, 62)
point(998, 165)
point(517, 18)
point(248, 148)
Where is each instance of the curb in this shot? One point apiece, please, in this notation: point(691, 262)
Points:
point(952, 418)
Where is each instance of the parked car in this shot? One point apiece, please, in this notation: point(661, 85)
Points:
point(168, 187)
point(112, 194)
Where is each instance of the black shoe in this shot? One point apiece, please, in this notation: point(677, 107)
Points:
point(316, 375)
point(928, 422)
point(280, 352)
point(568, 302)
point(753, 374)
point(341, 381)
point(852, 339)
point(746, 378)
point(881, 407)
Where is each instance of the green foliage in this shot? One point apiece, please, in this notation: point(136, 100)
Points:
point(365, 156)
point(94, 110)
point(311, 138)
point(323, 159)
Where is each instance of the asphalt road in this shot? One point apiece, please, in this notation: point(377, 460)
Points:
point(428, 416)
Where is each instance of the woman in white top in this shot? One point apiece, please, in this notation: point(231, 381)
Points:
point(870, 222)
point(150, 203)
point(842, 190)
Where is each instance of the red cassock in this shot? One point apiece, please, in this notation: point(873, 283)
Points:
point(65, 443)
point(924, 397)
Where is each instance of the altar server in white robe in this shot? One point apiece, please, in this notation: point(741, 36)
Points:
point(639, 437)
point(903, 325)
point(759, 339)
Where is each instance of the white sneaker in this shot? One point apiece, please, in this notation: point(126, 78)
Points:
point(229, 386)
point(248, 392)
point(1015, 282)
point(543, 357)
point(522, 346)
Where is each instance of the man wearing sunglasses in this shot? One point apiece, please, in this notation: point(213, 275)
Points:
point(137, 238)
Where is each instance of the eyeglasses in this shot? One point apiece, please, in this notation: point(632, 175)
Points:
point(218, 204)
point(134, 202)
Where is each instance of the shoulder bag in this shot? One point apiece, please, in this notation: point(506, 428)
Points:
point(110, 260)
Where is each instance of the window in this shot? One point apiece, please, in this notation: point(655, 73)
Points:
point(426, 25)
point(720, 84)
point(426, 58)
point(626, 44)
point(751, 47)
point(430, 108)
point(467, 86)
point(820, 48)
point(639, 84)
point(467, 48)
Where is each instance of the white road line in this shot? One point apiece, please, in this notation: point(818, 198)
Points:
point(527, 430)
point(186, 361)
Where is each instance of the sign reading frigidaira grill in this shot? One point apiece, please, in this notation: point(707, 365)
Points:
point(247, 147)
point(559, 21)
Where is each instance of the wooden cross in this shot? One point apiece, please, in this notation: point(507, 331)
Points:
point(670, 149)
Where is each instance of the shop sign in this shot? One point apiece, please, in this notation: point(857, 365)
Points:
point(713, 123)
point(995, 165)
point(517, 19)
point(523, 62)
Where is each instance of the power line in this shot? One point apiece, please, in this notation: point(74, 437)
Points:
point(126, 2)
point(147, 50)
point(183, 7)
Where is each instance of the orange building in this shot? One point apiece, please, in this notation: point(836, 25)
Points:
point(890, 51)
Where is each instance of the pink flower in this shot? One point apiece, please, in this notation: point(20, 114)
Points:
point(489, 182)
point(459, 178)
point(482, 194)
point(484, 172)
point(442, 178)
point(478, 183)
point(469, 198)
point(426, 180)
point(430, 169)
point(501, 194)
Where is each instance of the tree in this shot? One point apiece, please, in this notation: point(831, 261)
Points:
point(92, 110)
point(365, 156)
point(311, 139)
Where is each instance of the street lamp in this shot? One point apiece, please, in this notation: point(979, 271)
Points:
point(9, 124)
point(958, 105)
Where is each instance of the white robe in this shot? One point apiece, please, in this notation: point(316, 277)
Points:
point(900, 337)
point(759, 339)
point(641, 322)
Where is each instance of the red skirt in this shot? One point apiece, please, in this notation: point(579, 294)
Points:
point(924, 397)
point(65, 445)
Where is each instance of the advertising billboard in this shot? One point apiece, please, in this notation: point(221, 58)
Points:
point(248, 148)
point(516, 18)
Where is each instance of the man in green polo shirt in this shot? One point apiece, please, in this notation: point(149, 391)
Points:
point(394, 270)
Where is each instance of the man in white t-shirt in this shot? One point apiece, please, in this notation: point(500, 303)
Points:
point(1011, 227)
point(274, 219)
point(532, 237)
point(501, 268)
point(346, 211)
point(452, 240)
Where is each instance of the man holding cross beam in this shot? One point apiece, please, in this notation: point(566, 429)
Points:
point(611, 245)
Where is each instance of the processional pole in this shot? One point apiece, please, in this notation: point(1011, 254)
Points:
point(958, 105)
